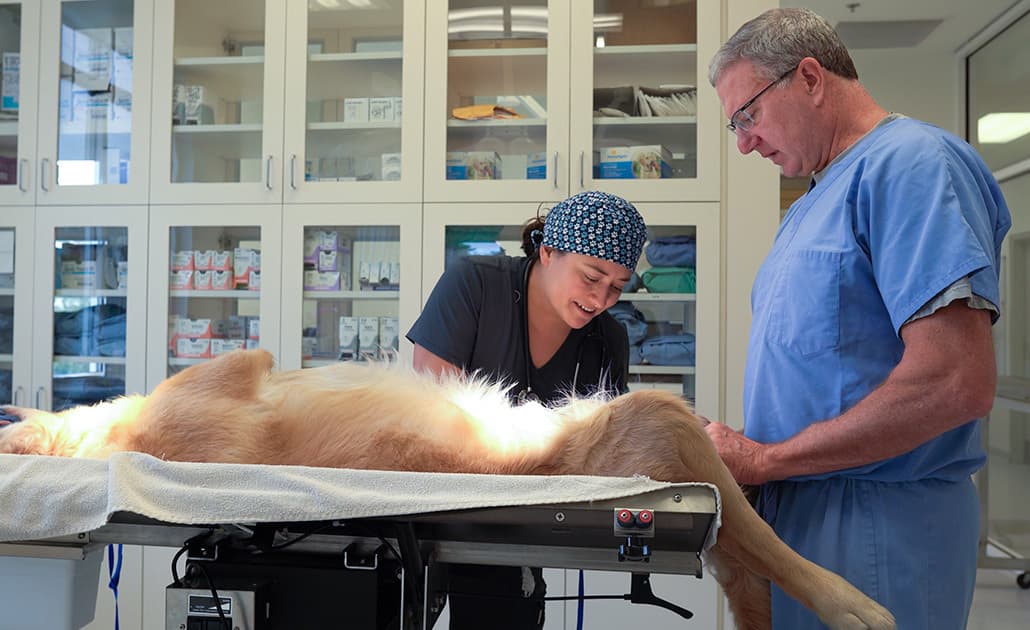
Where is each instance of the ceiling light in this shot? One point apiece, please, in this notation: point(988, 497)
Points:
point(1002, 127)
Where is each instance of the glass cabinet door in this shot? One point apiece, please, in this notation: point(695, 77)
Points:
point(349, 293)
point(19, 28)
point(218, 77)
point(354, 70)
point(214, 282)
point(497, 120)
point(351, 289)
point(96, 117)
point(90, 315)
point(670, 308)
point(210, 293)
point(648, 113)
point(15, 308)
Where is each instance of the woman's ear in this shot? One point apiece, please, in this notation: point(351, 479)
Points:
point(546, 255)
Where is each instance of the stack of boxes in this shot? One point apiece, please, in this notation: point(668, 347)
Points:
point(204, 338)
point(368, 338)
point(212, 270)
point(326, 261)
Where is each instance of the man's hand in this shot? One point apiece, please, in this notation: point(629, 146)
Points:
point(742, 456)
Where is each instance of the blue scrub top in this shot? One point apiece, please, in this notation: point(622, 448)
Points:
point(899, 217)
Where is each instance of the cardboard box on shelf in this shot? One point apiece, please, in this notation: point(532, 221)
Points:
point(355, 110)
point(368, 337)
point(473, 165)
point(651, 161)
point(536, 166)
point(380, 109)
point(348, 336)
point(11, 79)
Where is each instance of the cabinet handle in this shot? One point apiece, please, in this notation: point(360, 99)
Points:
point(39, 397)
point(293, 166)
point(22, 169)
point(43, 168)
point(268, 172)
point(581, 180)
point(17, 400)
point(556, 169)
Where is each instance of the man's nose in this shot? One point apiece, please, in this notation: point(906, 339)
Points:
point(745, 142)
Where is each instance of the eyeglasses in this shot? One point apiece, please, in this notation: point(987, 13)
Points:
point(741, 119)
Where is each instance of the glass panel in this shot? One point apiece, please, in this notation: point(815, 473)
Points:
point(217, 94)
point(351, 294)
point(7, 296)
point(354, 91)
point(1009, 426)
point(497, 89)
point(10, 57)
point(645, 88)
point(91, 267)
point(214, 286)
point(999, 98)
point(95, 110)
point(657, 309)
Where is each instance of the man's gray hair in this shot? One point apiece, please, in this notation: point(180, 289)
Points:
point(778, 40)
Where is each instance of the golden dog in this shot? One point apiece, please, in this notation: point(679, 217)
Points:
point(236, 409)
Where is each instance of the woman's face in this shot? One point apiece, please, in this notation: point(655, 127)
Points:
point(581, 287)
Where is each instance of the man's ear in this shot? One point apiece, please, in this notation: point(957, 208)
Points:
point(813, 75)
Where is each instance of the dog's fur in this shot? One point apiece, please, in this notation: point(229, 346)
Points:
point(236, 409)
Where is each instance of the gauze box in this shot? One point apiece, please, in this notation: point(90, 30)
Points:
point(368, 337)
point(348, 337)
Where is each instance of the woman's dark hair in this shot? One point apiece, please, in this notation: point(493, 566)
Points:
point(532, 236)
point(533, 232)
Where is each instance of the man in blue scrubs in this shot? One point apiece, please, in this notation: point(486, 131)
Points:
point(870, 358)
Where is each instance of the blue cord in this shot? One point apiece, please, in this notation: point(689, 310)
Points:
point(114, 570)
point(579, 607)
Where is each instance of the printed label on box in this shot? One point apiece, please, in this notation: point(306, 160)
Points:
point(193, 348)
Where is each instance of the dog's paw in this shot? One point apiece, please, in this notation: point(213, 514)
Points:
point(850, 609)
point(9, 415)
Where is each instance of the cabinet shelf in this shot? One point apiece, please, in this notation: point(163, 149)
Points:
point(330, 126)
point(355, 56)
point(658, 297)
point(661, 369)
point(497, 52)
point(220, 61)
point(9, 128)
point(90, 293)
point(6, 358)
point(10, 291)
point(499, 122)
point(185, 362)
point(647, 49)
point(646, 120)
point(224, 128)
point(352, 295)
point(243, 294)
point(78, 358)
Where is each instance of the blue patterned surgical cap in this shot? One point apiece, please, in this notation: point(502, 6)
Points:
point(597, 224)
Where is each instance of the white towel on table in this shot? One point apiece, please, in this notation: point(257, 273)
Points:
point(42, 497)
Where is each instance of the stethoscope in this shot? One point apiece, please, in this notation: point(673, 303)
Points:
point(526, 394)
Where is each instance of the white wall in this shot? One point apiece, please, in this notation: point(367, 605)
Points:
point(920, 85)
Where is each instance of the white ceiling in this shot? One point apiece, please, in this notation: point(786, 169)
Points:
point(961, 19)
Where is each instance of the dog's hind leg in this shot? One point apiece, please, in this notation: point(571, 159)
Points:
point(655, 433)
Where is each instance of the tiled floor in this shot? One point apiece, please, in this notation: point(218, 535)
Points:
point(999, 604)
